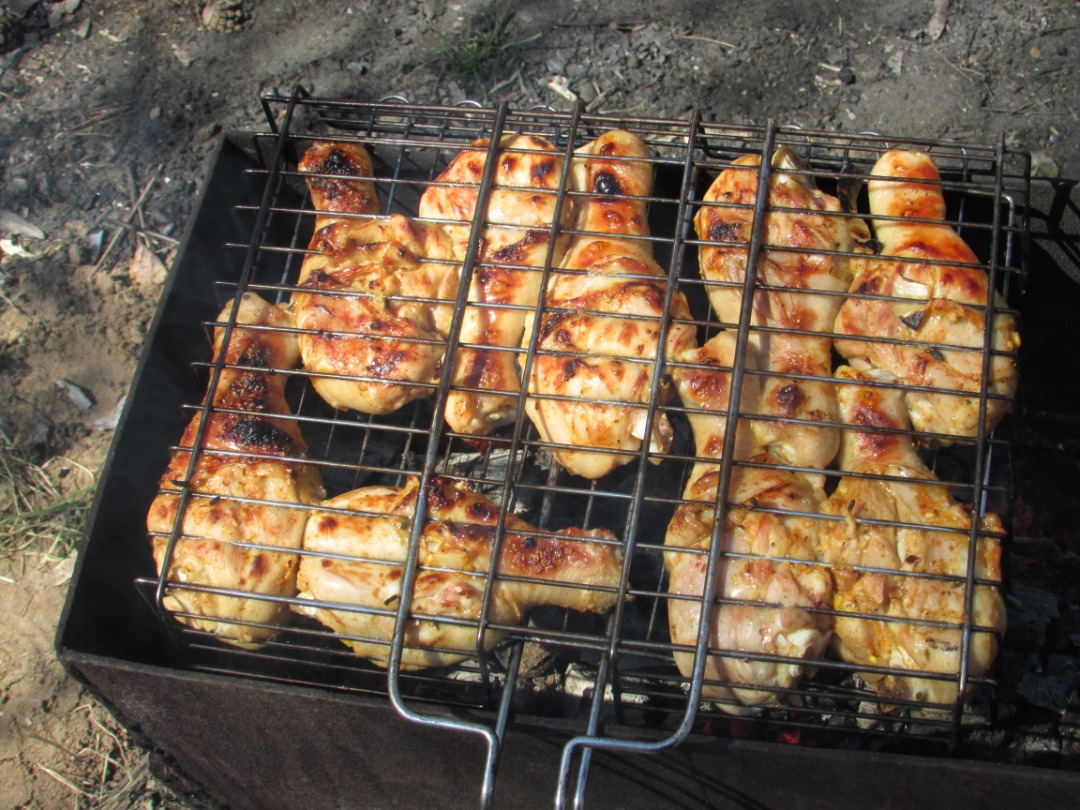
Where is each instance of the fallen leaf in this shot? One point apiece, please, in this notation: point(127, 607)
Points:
point(62, 571)
point(14, 225)
point(181, 54)
point(938, 19)
point(110, 420)
point(146, 268)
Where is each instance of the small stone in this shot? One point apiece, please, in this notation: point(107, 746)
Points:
point(1042, 165)
point(576, 72)
point(77, 254)
point(155, 113)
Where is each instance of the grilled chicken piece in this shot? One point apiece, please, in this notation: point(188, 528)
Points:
point(599, 333)
point(246, 488)
point(798, 259)
point(373, 300)
point(505, 284)
point(339, 181)
point(938, 310)
point(927, 613)
point(364, 535)
point(772, 604)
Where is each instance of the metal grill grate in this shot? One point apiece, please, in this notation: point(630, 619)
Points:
point(611, 677)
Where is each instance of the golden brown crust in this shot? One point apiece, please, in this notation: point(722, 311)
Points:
point(247, 488)
point(591, 382)
point(348, 189)
point(935, 324)
point(804, 252)
point(515, 244)
point(354, 560)
point(374, 298)
point(900, 521)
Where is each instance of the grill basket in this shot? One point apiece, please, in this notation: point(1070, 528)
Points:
point(608, 682)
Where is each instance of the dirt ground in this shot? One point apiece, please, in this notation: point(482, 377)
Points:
point(110, 112)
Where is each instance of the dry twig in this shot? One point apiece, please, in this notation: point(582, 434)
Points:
point(707, 39)
point(136, 211)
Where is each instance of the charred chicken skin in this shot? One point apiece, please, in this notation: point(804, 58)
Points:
point(515, 246)
point(804, 233)
point(911, 573)
point(373, 296)
point(591, 379)
point(936, 306)
point(768, 600)
point(356, 549)
point(247, 489)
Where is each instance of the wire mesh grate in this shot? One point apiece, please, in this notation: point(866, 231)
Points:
point(611, 674)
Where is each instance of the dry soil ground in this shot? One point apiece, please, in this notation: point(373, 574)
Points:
point(110, 110)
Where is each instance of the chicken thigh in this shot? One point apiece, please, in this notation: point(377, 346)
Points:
point(934, 318)
point(590, 383)
point(356, 547)
point(910, 568)
point(515, 246)
point(765, 625)
point(247, 490)
point(373, 299)
point(804, 235)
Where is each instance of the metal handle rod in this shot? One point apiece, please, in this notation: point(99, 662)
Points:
point(397, 643)
point(713, 565)
point(981, 451)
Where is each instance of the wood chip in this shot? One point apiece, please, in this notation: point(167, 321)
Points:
point(76, 395)
point(146, 269)
point(561, 86)
point(9, 248)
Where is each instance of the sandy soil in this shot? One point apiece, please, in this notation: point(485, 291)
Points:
point(110, 111)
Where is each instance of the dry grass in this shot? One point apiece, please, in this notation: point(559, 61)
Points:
point(107, 771)
point(83, 752)
point(483, 46)
point(43, 502)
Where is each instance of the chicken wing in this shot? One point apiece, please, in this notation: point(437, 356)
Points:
point(356, 548)
point(515, 246)
point(807, 246)
point(590, 383)
point(901, 552)
point(765, 625)
point(373, 299)
point(935, 317)
point(245, 491)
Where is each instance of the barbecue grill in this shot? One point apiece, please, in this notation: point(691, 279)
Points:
point(570, 707)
